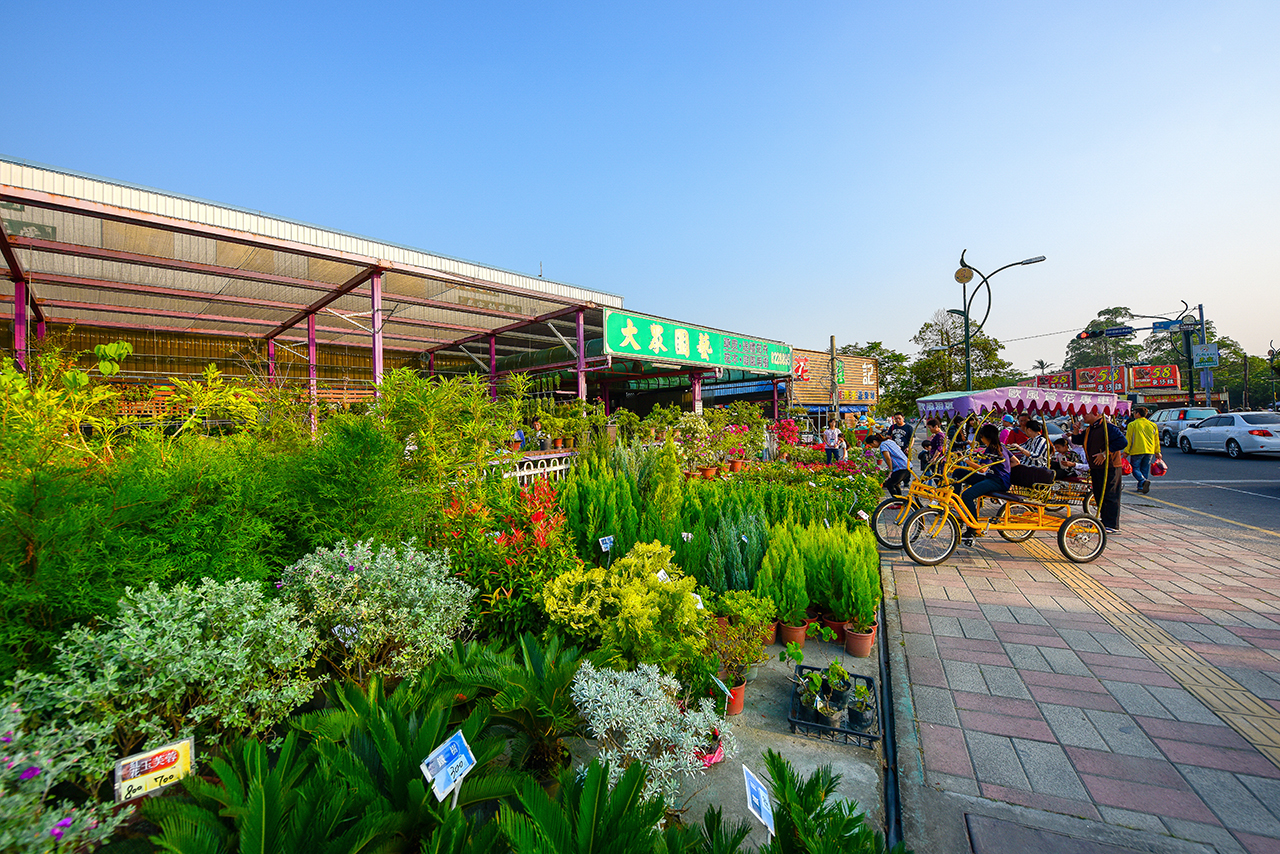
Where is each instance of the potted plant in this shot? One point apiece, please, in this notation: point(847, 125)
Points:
point(862, 709)
point(758, 611)
point(838, 683)
point(736, 645)
point(862, 597)
point(785, 564)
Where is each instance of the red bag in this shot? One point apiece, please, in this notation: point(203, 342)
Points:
point(1126, 466)
point(1158, 467)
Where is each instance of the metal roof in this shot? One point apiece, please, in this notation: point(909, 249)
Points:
point(108, 254)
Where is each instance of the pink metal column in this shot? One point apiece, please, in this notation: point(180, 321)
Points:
point(431, 364)
point(375, 285)
point(775, 400)
point(311, 367)
point(582, 356)
point(271, 360)
point(20, 323)
point(697, 392)
point(493, 367)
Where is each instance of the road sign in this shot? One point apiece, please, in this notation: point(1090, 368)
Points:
point(1206, 379)
point(1204, 355)
point(448, 764)
point(1118, 331)
point(1165, 325)
point(758, 799)
point(1189, 324)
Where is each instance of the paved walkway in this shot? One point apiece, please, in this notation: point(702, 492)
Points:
point(1141, 691)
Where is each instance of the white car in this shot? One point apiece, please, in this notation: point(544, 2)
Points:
point(1236, 433)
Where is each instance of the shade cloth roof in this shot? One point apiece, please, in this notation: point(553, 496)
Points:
point(1020, 399)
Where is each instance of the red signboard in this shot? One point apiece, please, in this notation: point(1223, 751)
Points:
point(1103, 378)
point(1062, 380)
point(1031, 382)
point(1155, 376)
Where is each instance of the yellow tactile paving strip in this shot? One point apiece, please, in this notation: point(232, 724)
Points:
point(1256, 721)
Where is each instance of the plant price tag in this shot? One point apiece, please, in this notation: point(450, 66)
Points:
point(448, 764)
point(662, 575)
point(862, 514)
point(606, 543)
point(723, 687)
point(758, 799)
point(698, 599)
point(143, 773)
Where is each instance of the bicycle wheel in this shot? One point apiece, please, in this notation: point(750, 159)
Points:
point(1082, 538)
point(886, 524)
point(926, 541)
point(1015, 536)
point(1089, 506)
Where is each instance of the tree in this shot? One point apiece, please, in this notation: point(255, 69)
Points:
point(1091, 352)
point(895, 375)
point(1040, 366)
point(940, 365)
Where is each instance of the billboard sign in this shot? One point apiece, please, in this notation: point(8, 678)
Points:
point(658, 340)
point(1062, 380)
point(1154, 376)
point(1102, 378)
point(857, 379)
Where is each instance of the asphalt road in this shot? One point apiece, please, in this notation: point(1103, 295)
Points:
point(1236, 499)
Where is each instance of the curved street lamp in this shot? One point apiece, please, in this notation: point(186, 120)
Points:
point(964, 275)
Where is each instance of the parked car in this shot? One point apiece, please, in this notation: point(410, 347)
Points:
point(1171, 422)
point(1235, 433)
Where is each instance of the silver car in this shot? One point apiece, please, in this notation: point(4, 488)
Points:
point(1236, 433)
point(1171, 422)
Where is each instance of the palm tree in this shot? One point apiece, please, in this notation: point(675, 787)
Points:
point(1040, 366)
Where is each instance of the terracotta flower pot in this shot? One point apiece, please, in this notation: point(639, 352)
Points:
point(737, 697)
point(557, 443)
point(515, 446)
point(772, 637)
point(859, 644)
point(709, 472)
point(736, 465)
point(787, 634)
point(835, 625)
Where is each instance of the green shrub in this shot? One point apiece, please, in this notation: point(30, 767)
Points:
point(31, 765)
point(809, 819)
point(388, 612)
point(203, 660)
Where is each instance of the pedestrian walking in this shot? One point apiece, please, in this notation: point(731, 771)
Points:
point(830, 437)
point(1144, 444)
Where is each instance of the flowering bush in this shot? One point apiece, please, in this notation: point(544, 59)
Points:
point(388, 612)
point(507, 547)
point(31, 764)
point(787, 431)
point(637, 716)
point(172, 663)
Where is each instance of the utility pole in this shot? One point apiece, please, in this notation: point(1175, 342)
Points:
point(835, 391)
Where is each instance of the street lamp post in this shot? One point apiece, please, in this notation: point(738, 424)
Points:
point(965, 275)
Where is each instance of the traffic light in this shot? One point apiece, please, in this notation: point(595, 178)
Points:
point(1090, 333)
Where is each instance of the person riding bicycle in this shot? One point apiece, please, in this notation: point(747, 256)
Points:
point(992, 470)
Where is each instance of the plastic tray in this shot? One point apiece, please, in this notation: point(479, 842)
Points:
point(803, 722)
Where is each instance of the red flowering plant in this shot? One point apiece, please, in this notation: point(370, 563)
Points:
point(507, 546)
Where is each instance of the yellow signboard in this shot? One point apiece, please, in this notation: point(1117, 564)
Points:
point(857, 379)
point(141, 773)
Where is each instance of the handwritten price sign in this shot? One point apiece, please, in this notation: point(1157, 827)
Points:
point(143, 773)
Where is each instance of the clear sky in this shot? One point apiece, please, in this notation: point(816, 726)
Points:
point(789, 170)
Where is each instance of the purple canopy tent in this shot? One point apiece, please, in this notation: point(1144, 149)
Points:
point(1043, 401)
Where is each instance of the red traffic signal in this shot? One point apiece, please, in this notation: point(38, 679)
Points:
point(1089, 333)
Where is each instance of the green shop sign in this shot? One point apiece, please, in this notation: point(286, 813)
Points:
point(656, 340)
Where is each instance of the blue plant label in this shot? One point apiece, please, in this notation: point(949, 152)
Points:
point(744, 538)
point(723, 687)
point(758, 799)
point(448, 764)
point(606, 543)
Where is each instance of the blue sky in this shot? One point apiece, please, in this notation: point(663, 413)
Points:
point(786, 170)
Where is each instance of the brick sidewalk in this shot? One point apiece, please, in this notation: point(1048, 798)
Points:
point(1028, 689)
